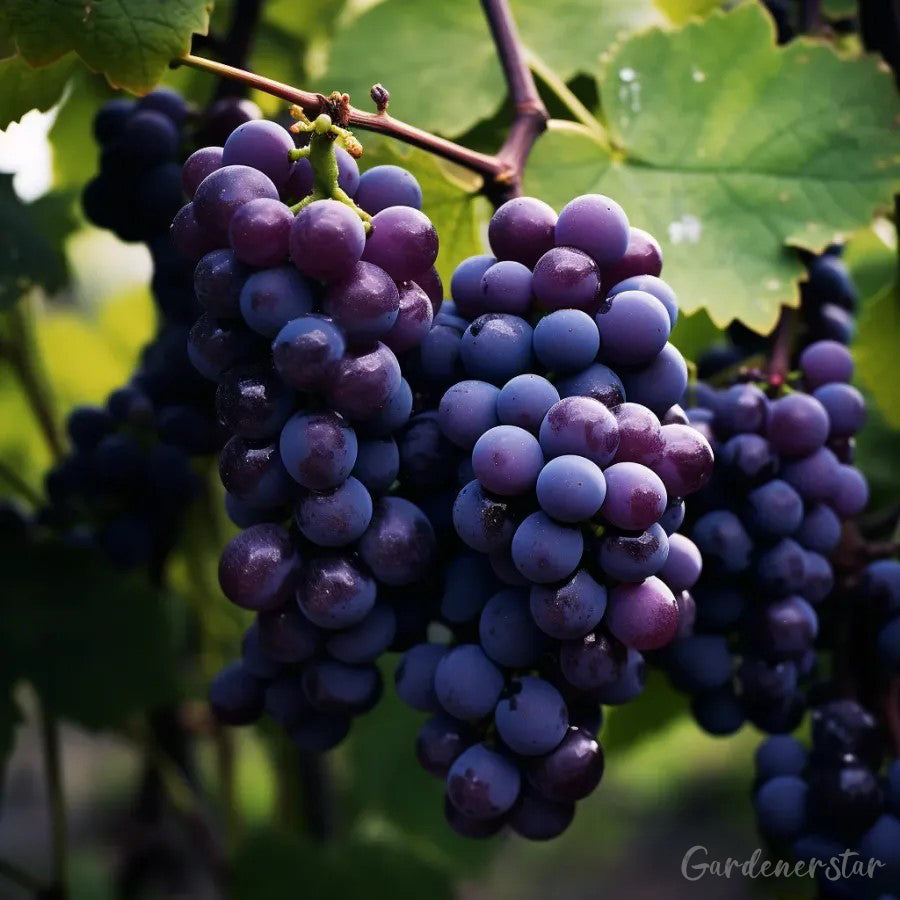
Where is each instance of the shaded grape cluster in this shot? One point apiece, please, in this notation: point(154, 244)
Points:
point(306, 311)
point(771, 518)
point(835, 802)
point(553, 461)
point(128, 480)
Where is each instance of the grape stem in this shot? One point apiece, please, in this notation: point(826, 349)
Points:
point(502, 172)
point(782, 339)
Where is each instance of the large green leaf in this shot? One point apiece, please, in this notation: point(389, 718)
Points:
point(30, 252)
point(442, 69)
point(727, 148)
point(680, 11)
point(23, 88)
point(450, 198)
point(873, 265)
point(130, 41)
point(94, 642)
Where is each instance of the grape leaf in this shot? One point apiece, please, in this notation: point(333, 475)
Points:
point(29, 255)
point(457, 78)
point(23, 88)
point(450, 198)
point(726, 148)
point(873, 265)
point(681, 11)
point(131, 42)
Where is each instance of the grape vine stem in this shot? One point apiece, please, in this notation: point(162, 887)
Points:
point(502, 172)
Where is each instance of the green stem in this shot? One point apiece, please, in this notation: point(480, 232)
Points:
point(23, 354)
point(56, 792)
point(580, 113)
point(19, 485)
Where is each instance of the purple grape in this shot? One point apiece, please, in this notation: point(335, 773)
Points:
point(394, 414)
point(399, 544)
point(845, 406)
point(236, 696)
point(149, 139)
point(482, 784)
point(640, 437)
point(413, 319)
point(533, 719)
point(634, 327)
point(402, 241)
point(467, 683)
point(307, 351)
point(650, 284)
point(364, 381)
point(686, 461)
point(254, 473)
point(570, 610)
point(367, 640)
point(469, 582)
point(190, 238)
point(467, 410)
point(336, 517)
point(820, 529)
point(507, 460)
point(334, 593)
point(850, 492)
point(748, 458)
point(571, 771)
point(773, 510)
point(377, 464)
point(263, 145)
point(197, 166)
point(566, 340)
point(327, 240)
point(881, 583)
point(571, 488)
point(635, 496)
point(260, 231)
point(598, 382)
point(318, 449)
point(660, 384)
point(439, 355)
point(545, 551)
point(286, 635)
point(223, 192)
point(111, 119)
point(440, 740)
point(216, 345)
point(319, 732)
point(633, 557)
point(465, 284)
point(525, 400)
point(565, 279)
point(741, 409)
point(365, 303)
point(781, 807)
point(683, 565)
point(475, 829)
point(484, 523)
point(797, 425)
point(718, 712)
point(506, 288)
point(258, 568)
point(538, 819)
point(673, 517)
point(522, 230)
point(593, 662)
point(218, 279)
point(496, 346)
point(427, 459)
point(384, 186)
point(286, 702)
point(254, 402)
point(430, 282)
point(414, 676)
point(643, 616)
point(507, 631)
point(784, 629)
point(225, 115)
point(825, 362)
point(580, 426)
point(723, 541)
point(273, 297)
point(700, 663)
point(782, 568)
point(643, 256)
point(596, 225)
point(338, 689)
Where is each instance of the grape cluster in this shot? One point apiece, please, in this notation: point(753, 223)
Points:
point(557, 491)
point(306, 311)
point(128, 480)
point(836, 802)
point(771, 518)
point(880, 589)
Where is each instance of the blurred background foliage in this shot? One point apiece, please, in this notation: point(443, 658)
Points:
point(808, 136)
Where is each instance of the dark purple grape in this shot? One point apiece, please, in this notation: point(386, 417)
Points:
point(262, 145)
point(364, 381)
point(286, 635)
point(223, 192)
point(365, 302)
point(218, 279)
point(338, 689)
point(384, 186)
point(595, 224)
point(327, 239)
point(259, 232)
point(484, 523)
point(566, 279)
point(235, 696)
point(334, 593)
point(318, 449)
point(402, 241)
point(254, 473)
point(414, 318)
point(252, 401)
point(258, 568)
point(337, 517)
point(643, 616)
point(482, 784)
point(643, 256)
point(307, 351)
point(197, 166)
point(399, 544)
point(367, 640)
point(440, 740)
point(522, 230)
